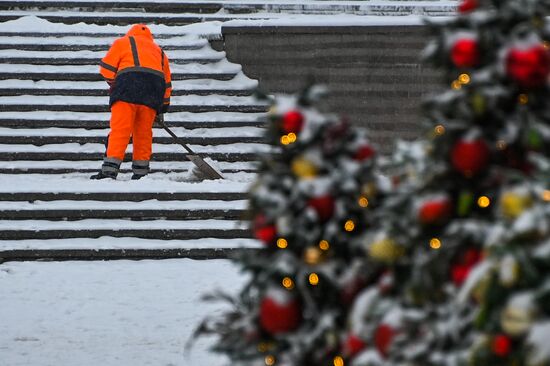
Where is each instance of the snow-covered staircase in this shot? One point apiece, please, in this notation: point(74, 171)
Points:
point(53, 126)
point(188, 12)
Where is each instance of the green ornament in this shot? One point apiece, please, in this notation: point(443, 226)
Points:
point(465, 202)
point(534, 139)
point(479, 104)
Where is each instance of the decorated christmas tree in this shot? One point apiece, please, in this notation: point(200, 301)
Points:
point(463, 240)
point(309, 207)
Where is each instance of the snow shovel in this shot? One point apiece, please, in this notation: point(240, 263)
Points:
point(203, 166)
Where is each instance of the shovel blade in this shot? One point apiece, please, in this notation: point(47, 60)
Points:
point(203, 166)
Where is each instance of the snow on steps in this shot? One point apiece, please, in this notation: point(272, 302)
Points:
point(53, 125)
point(178, 13)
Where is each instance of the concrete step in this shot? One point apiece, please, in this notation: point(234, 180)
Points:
point(144, 210)
point(92, 6)
point(72, 47)
point(103, 124)
point(83, 76)
point(83, 168)
point(165, 234)
point(81, 33)
point(105, 108)
point(114, 18)
point(115, 227)
point(176, 156)
point(108, 196)
point(236, 7)
point(104, 92)
point(118, 254)
point(19, 170)
point(46, 140)
point(92, 61)
point(142, 215)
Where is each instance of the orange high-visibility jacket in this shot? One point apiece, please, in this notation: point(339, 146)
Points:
point(138, 70)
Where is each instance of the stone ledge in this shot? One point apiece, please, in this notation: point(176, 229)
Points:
point(238, 28)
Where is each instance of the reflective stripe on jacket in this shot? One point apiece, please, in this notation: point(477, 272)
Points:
point(139, 69)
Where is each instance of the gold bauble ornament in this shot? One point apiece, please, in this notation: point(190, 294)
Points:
point(513, 204)
point(386, 250)
point(303, 168)
point(516, 321)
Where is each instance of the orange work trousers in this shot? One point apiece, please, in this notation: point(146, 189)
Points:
point(131, 120)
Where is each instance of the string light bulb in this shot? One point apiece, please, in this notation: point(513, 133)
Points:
point(314, 279)
point(483, 202)
point(439, 130)
point(464, 79)
point(288, 283)
point(292, 137)
point(269, 360)
point(523, 99)
point(282, 243)
point(349, 226)
point(435, 243)
point(546, 195)
point(456, 85)
point(324, 245)
point(338, 361)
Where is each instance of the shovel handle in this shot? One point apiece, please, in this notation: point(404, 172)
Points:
point(176, 138)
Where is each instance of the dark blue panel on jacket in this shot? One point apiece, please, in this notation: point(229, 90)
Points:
point(139, 88)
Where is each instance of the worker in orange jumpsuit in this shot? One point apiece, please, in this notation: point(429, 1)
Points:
point(138, 73)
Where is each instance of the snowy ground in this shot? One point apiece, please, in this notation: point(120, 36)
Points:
point(108, 313)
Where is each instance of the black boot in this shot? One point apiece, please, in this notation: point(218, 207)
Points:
point(103, 175)
point(138, 176)
point(140, 169)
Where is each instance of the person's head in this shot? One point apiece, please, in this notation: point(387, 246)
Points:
point(138, 30)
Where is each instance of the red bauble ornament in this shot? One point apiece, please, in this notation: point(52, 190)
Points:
point(470, 157)
point(435, 211)
point(528, 68)
point(461, 270)
point(467, 6)
point(459, 273)
point(364, 152)
point(465, 53)
point(353, 345)
point(293, 121)
point(501, 345)
point(266, 233)
point(383, 338)
point(323, 205)
point(280, 312)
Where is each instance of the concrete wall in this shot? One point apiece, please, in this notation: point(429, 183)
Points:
point(373, 72)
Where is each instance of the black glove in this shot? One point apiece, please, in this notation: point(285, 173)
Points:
point(159, 119)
